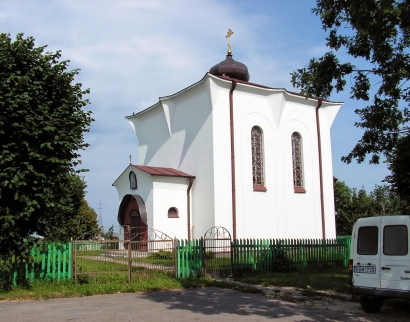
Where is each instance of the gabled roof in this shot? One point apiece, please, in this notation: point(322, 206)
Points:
point(164, 172)
point(157, 171)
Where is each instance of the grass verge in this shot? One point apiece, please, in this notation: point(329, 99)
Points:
point(324, 279)
point(330, 279)
point(156, 281)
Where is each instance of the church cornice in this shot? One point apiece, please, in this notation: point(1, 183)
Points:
point(229, 80)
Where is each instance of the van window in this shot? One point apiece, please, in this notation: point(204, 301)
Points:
point(368, 240)
point(395, 240)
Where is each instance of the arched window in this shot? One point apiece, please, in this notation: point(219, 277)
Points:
point(173, 212)
point(297, 162)
point(133, 180)
point(257, 158)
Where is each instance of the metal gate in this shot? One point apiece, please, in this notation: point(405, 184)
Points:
point(141, 256)
point(217, 254)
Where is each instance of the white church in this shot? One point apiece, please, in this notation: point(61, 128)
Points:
point(226, 152)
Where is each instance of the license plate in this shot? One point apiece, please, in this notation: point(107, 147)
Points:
point(365, 269)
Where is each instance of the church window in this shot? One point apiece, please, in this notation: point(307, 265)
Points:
point(297, 161)
point(133, 180)
point(173, 212)
point(257, 159)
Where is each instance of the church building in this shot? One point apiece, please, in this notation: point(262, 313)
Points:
point(226, 152)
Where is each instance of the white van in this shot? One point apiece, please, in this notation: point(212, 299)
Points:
point(379, 265)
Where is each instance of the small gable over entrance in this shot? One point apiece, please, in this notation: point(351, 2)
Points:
point(142, 187)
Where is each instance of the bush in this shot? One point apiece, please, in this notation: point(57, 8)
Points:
point(162, 254)
point(281, 263)
point(209, 256)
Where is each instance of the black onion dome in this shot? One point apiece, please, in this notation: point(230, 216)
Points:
point(232, 68)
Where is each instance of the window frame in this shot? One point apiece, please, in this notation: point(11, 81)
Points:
point(297, 163)
point(257, 159)
point(172, 213)
point(404, 244)
point(359, 239)
point(131, 176)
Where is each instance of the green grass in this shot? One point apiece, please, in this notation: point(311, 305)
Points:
point(325, 279)
point(90, 252)
point(149, 281)
point(330, 279)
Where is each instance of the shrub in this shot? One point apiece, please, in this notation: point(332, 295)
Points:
point(281, 263)
point(162, 254)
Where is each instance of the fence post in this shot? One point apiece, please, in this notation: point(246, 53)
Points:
point(231, 259)
point(129, 262)
point(175, 256)
point(203, 257)
point(70, 260)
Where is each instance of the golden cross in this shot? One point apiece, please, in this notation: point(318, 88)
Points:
point(130, 159)
point(228, 35)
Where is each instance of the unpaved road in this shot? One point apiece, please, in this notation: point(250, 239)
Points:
point(210, 304)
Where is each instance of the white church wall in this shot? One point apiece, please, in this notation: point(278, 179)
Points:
point(327, 115)
point(144, 183)
point(258, 210)
point(144, 190)
point(303, 209)
point(190, 131)
point(222, 186)
point(170, 192)
point(189, 149)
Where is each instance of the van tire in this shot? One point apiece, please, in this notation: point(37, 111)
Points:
point(371, 304)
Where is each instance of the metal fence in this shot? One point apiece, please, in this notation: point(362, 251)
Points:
point(217, 252)
point(123, 260)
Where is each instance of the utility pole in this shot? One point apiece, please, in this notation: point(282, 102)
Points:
point(100, 217)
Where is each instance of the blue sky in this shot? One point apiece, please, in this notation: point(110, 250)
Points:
point(131, 52)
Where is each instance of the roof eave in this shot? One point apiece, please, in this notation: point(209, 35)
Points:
point(163, 98)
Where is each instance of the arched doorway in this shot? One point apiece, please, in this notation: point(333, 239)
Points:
point(132, 215)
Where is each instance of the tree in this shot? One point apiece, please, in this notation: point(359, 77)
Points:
point(352, 204)
point(42, 125)
point(77, 219)
point(85, 224)
point(399, 167)
point(376, 34)
point(109, 234)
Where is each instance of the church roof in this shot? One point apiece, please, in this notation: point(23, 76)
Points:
point(164, 172)
point(228, 79)
point(232, 68)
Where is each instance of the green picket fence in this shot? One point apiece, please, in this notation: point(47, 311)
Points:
point(188, 258)
point(264, 255)
point(261, 255)
point(48, 260)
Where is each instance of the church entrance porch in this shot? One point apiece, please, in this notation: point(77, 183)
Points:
point(132, 215)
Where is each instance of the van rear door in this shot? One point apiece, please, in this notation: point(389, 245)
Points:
point(395, 255)
point(366, 253)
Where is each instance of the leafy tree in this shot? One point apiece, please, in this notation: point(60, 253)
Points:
point(109, 234)
point(399, 167)
point(376, 35)
point(42, 123)
point(352, 204)
point(77, 219)
point(85, 224)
